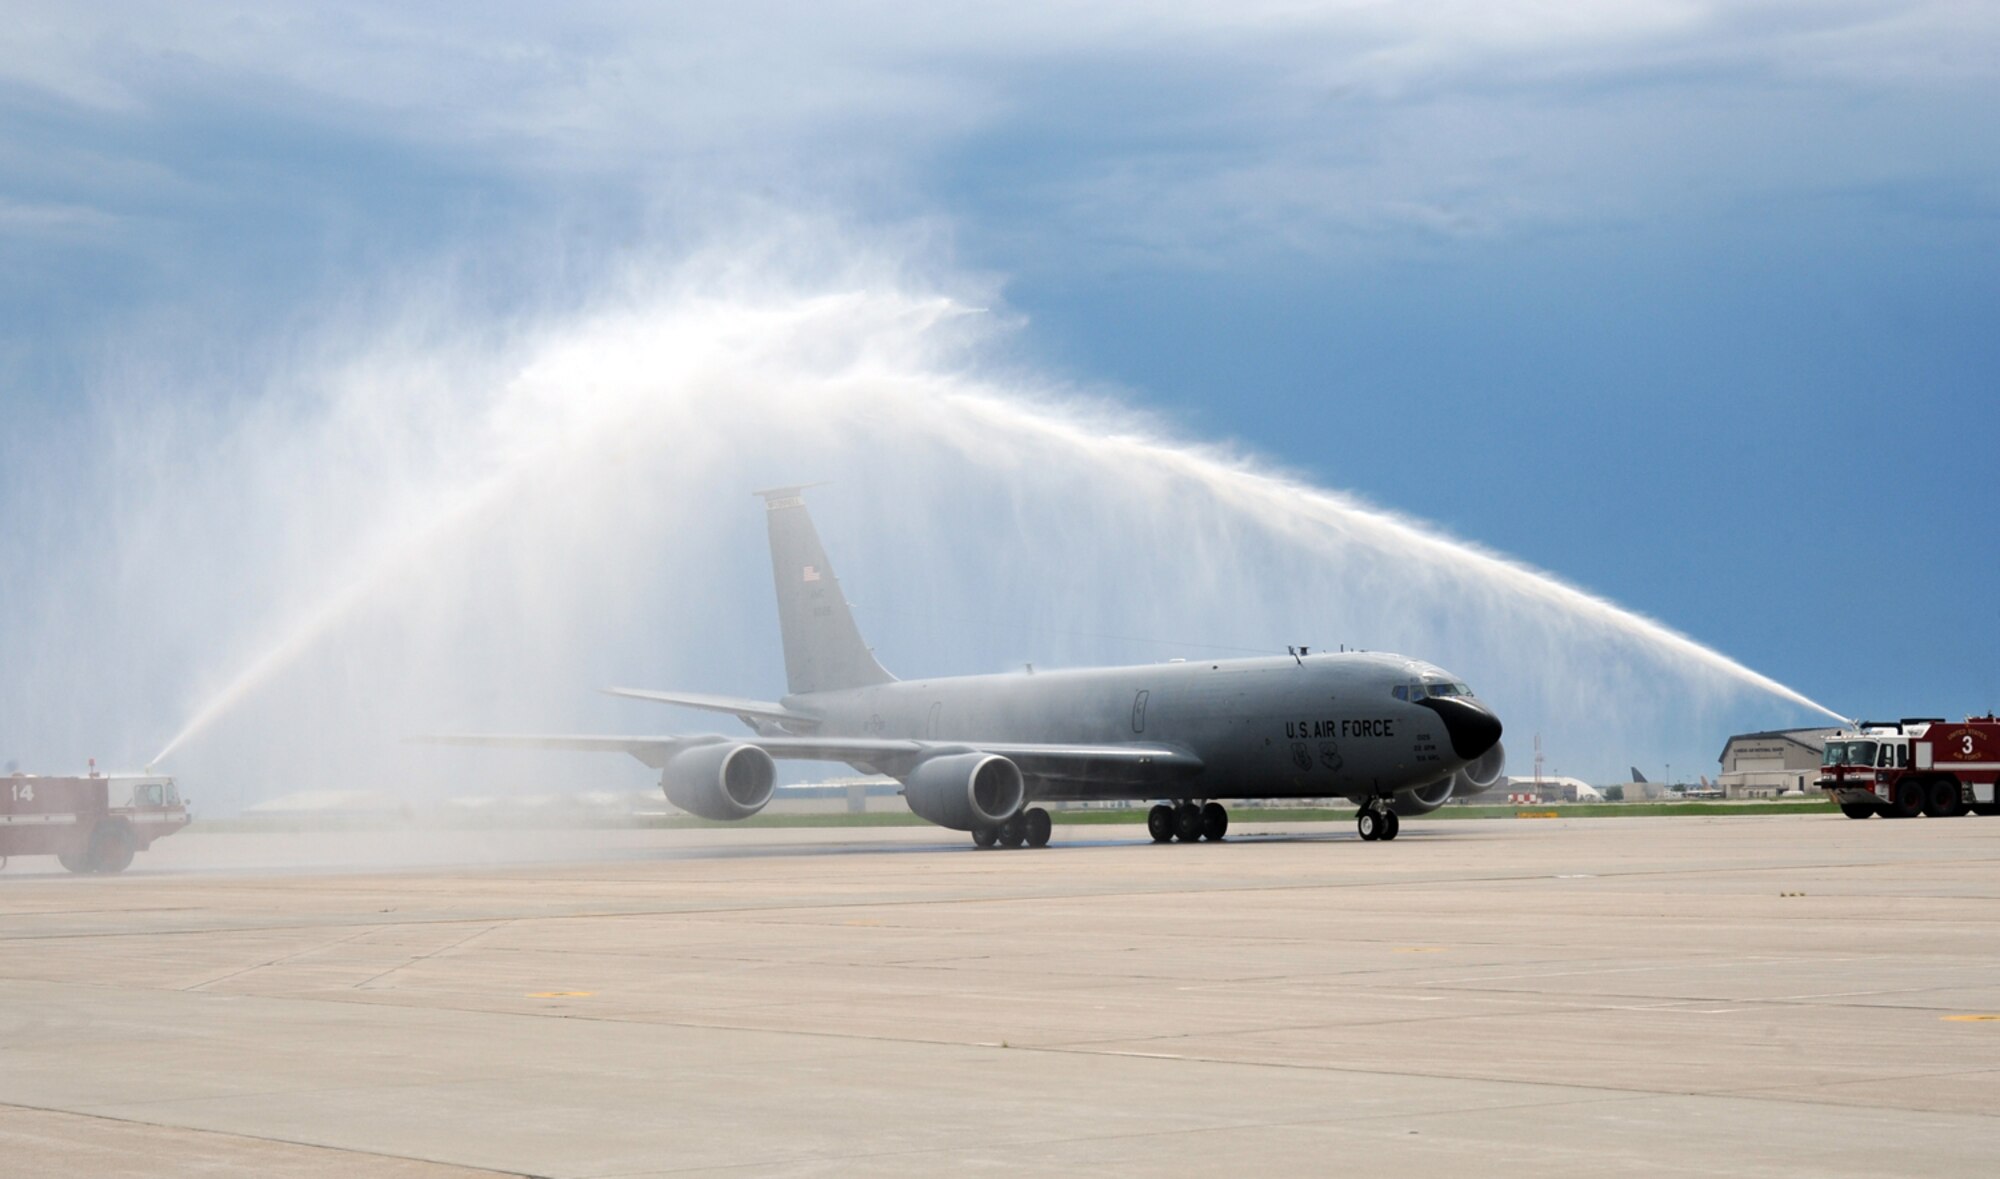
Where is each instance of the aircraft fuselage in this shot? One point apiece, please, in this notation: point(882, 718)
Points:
point(1321, 726)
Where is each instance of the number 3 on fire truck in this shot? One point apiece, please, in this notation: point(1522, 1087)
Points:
point(1966, 747)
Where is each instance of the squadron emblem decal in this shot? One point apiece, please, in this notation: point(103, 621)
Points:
point(1329, 755)
point(1301, 756)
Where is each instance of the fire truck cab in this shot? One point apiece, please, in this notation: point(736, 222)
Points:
point(1915, 766)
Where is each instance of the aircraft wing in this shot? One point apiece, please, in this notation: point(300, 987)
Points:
point(761, 715)
point(891, 755)
point(654, 751)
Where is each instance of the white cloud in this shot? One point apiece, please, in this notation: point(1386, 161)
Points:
point(1158, 122)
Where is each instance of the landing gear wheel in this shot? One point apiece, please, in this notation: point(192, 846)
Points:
point(1392, 824)
point(1942, 799)
point(1187, 822)
point(1014, 832)
point(1039, 826)
point(1907, 802)
point(1214, 820)
point(1160, 823)
point(1857, 810)
point(1369, 823)
point(986, 836)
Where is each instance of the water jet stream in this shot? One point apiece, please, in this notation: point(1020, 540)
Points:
point(679, 381)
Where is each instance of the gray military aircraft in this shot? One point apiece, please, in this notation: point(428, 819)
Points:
point(1395, 736)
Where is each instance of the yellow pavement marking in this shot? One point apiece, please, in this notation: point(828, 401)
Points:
point(1537, 814)
point(1971, 1018)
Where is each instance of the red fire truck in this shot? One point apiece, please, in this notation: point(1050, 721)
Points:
point(94, 823)
point(1915, 766)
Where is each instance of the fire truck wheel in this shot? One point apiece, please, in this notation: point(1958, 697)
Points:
point(1942, 800)
point(74, 861)
point(111, 849)
point(1907, 802)
point(1857, 810)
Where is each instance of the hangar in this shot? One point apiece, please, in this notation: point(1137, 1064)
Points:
point(1767, 764)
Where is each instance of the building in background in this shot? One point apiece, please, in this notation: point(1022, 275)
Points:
point(1766, 765)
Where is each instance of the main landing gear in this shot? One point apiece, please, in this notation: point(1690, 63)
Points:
point(1377, 821)
point(1030, 827)
point(1187, 822)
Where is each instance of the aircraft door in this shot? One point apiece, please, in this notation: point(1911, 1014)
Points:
point(1139, 712)
point(934, 724)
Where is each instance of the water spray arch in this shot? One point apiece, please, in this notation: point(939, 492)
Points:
point(482, 518)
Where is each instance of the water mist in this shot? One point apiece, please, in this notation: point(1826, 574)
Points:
point(434, 530)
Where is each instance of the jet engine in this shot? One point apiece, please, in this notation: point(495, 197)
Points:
point(1484, 772)
point(1477, 776)
point(726, 780)
point(1423, 799)
point(966, 791)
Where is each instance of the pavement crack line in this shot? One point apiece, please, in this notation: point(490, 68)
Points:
point(283, 958)
point(279, 1139)
point(427, 955)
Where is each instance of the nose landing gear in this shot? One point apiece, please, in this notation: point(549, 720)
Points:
point(1377, 821)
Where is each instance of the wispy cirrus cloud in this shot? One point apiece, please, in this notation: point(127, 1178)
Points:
point(1172, 133)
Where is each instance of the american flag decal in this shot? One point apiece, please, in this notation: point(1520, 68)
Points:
point(812, 574)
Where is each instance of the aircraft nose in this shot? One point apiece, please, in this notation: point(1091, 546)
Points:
point(1471, 725)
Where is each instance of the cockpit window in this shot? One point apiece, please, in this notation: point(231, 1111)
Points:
point(1400, 691)
point(1447, 689)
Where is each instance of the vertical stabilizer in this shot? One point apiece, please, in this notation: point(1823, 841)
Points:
point(823, 647)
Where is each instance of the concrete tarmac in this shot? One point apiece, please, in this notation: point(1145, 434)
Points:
point(1768, 996)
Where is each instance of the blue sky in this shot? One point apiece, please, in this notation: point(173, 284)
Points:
point(1695, 305)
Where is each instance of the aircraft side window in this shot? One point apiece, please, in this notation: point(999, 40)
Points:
point(1139, 712)
point(1400, 692)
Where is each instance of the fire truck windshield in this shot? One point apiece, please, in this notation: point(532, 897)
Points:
point(1849, 753)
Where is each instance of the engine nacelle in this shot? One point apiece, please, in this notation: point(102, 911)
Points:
point(727, 780)
point(966, 791)
point(1484, 773)
point(1424, 799)
point(1476, 777)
